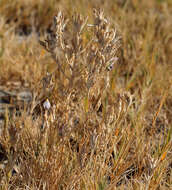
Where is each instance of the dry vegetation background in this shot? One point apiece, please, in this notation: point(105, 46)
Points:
point(108, 79)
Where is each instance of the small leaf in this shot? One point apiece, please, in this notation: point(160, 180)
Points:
point(163, 155)
point(86, 104)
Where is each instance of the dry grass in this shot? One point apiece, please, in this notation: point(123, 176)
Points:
point(108, 80)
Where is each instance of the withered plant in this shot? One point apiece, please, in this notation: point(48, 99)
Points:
point(77, 130)
point(81, 131)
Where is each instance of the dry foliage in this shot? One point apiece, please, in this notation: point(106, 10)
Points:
point(100, 112)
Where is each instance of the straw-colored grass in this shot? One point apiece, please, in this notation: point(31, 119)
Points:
point(105, 68)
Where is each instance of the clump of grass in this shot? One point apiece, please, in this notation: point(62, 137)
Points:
point(98, 133)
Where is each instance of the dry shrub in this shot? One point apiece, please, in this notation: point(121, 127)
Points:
point(82, 113)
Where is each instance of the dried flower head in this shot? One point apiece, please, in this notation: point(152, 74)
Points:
point(47, 105)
